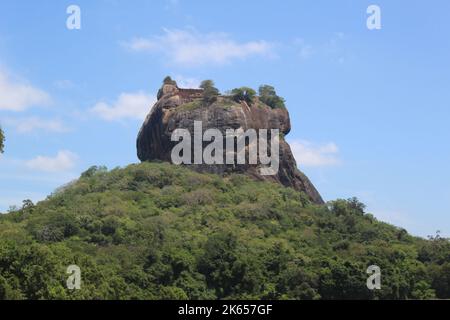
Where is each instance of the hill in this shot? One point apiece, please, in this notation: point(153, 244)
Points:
point(160, 231)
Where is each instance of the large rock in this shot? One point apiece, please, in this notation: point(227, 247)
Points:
point(179, 108)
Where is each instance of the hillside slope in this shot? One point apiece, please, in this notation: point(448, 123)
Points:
point(159, 231)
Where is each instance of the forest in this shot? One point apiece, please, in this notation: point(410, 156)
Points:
point(160, 231)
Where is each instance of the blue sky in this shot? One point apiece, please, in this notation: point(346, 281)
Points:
point(369, 108)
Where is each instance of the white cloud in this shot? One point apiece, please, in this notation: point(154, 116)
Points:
point(128, 105)
point(27, 125)
point(335, 47)
point(63, 161)
point(331, 48)
point(186, 82)
point(308, 154)
point(63, 84)
point(305, 50)
point(188, 47)
point(18, 96)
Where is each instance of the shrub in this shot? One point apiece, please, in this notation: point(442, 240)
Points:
point(169, 80)
point(210, 93)
point(92, 171)
point(268, 95)
point(243, 94)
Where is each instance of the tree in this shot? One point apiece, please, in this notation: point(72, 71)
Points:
point(27, 204)
point(2, 140)
point(207, 84)
point(93, 170)
point(210, 93)
point(169, 80)
point(158, 231)
point(266, 90)
point(219, 263)
point(268, 95)
point(441, 280)
point(243, 94)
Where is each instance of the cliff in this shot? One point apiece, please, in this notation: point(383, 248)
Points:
point(179, 108)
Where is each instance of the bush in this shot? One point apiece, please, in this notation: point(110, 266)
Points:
point(268, 96)
point(243, 94)
point(168, 80)
point(92, 171)
point(210, 93)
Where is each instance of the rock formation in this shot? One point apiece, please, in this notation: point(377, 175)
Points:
point(179, 108)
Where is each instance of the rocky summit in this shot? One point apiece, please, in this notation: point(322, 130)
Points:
point(179, 108)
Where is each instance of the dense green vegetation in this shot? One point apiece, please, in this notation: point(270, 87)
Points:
point(159, 231)
point(243, 94)
point(166, 80)
point(268, 95)
point(210, 92)
point(169, 80)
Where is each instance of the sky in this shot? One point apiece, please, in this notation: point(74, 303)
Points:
point(369, 109)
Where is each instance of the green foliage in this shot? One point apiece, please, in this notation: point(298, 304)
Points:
point(210, 93)
point(197, 103)
point(206, 84)
point(159, 231)
point(94, 170)
point(169, 80)
point(243, 94)
point(268, 95)
point(2, 140)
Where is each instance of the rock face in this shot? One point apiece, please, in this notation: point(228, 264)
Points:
point(179, 108)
